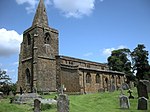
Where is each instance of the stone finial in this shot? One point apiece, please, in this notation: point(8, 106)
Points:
point(40, 18)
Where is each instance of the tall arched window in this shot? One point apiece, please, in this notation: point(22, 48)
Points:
point(119, 80)
point(28, 76)
point(97, 78)
point(88, 78)
point(106, 80)
point(29, 39)
point(47, 38)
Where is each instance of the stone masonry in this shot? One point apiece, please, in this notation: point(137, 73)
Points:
point(42, 68)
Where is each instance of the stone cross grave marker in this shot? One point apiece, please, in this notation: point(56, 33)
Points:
point(63, 89)
point(142, 103)
point(63, 103)
point(130, 94)
point(124, 102)
point(37, 105)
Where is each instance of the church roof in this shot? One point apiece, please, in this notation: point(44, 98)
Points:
point(40, 18)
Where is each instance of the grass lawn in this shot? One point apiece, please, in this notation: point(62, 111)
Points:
point(99, 102)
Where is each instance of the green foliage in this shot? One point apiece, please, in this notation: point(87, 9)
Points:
point(140, 62)
point(47, 106)
point(5, 85)
point(6, 88)
point(118, 61)
point(4, 78)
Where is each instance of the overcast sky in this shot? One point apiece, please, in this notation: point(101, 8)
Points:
point(88, 29)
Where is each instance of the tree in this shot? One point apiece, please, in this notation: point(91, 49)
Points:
point(4, 78)
point(140, 62)
point(118, 61)
point(4, 82)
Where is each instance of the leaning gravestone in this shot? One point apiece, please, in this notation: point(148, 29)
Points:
point(124, 102)
point(63, 103)
point(142, 89)
point(142, 103)
point(37, 105)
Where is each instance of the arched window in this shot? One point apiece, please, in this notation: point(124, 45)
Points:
point(28, 76)
point(88, 78)
point(119, 80)
point(113, 79)
point(29, 39)
point(47, 38)
point(106, 80)
point(97, 78)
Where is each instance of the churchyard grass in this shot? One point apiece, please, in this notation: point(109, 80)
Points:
point(98, 102)
point(101, 102)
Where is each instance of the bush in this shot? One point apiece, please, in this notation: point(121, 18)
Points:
point(47, 106)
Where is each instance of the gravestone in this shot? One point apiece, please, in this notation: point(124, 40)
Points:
point(63, 103)
point(112, 88)
point(11, 94)
point(25, 98)
point(124, 102)
point(125, 86)
point(142, 103)
point(147, 83)
point(142, 90)
point(37, 105)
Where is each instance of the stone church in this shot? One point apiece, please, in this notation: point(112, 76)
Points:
point(41, 68)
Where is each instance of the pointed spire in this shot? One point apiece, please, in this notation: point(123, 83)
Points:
point(40, 17)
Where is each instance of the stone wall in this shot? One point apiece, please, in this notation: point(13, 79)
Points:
point(70, 79)
point(46, 79)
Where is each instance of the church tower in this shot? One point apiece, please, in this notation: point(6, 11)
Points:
point(37, 62)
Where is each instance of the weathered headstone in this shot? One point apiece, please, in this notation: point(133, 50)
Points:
point(11, 94)
point(27, 97)
point(147, 83)
point(63, 103)
point(142, 103)
point(125, 86)
point(37, 105)
point(112, 88)
point(142, 90)
point(124, 102)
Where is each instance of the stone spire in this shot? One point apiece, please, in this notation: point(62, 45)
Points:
point(40, 18)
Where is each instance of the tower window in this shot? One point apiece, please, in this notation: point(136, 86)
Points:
point(28, 76)
point(29, 39)
point(47, 38)
point(88, 78)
